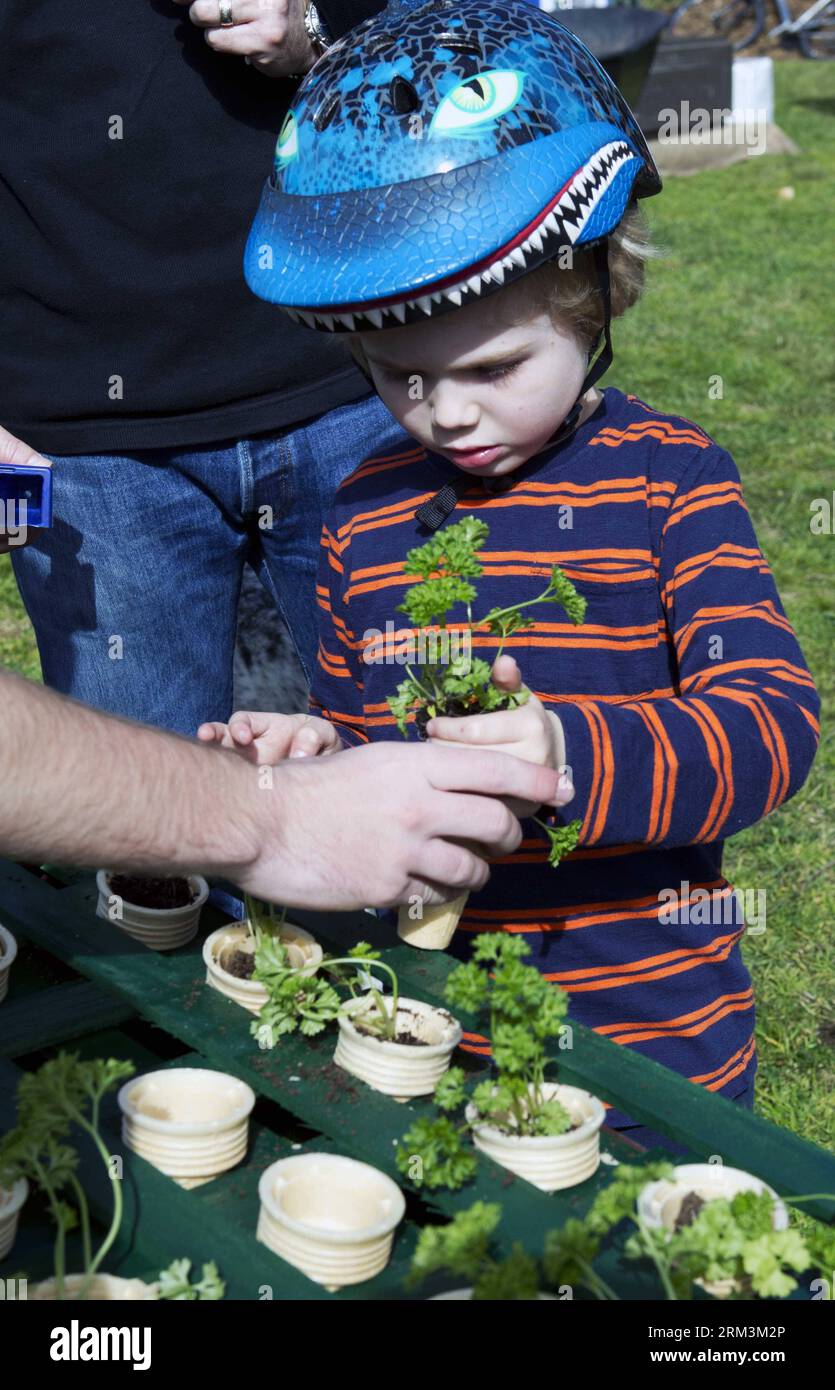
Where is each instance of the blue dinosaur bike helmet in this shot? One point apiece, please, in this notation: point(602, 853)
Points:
point(434, 154)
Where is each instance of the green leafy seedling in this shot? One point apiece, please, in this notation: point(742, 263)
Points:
point(463, 1248)
point(521, 1012)
point(175, 1283)
point(64, 1091)
point(726, 1240)
point(445, 567)
point(310, 1002)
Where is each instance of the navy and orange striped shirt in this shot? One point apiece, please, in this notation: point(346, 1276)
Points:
point(688, 709)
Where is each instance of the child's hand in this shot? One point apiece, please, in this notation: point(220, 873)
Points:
point(530, 732)
point(266, 738)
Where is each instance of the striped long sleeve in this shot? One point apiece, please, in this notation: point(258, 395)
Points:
point(740, 736)
point(688, 710)
point(337, 692)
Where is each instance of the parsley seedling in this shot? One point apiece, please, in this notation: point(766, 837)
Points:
point(463, 1248)
point(727, 1240)
point(522, 1011)
point(66, 1091)
point(261, 921)
point(310, 1002)
point(175, 1283)
point(62, 1092)
point(446, 564)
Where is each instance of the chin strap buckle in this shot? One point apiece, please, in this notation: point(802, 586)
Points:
point(434, 513)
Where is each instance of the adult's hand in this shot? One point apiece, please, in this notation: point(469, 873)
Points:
point(367, 827)
point(13, 450)
point(378, 825)
point(270, 33)
point(529, 731)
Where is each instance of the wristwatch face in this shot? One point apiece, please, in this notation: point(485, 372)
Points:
point(315, 25)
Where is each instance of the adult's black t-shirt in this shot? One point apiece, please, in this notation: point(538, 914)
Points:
point(132, 159)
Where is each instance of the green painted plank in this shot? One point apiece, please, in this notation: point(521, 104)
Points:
point(709, 1125)
point(34, 970)
point(234, 1195)
point(366, 1124)
point(56, 1015)
point(173, 994)
point(163, 1222)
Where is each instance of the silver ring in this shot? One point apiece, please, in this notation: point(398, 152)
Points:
point(226, 17)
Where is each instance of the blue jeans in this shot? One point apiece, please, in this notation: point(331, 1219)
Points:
point(133, 591)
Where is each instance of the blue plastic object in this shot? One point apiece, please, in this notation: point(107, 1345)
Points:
point(25, 483)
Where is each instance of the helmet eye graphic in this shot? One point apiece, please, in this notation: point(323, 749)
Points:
point(287, 147)
point(478, 101)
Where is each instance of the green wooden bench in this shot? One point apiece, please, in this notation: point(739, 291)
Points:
point(82, 983)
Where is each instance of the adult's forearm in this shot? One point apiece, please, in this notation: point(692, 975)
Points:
point(83, 787)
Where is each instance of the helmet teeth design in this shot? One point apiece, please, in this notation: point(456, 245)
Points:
point(560, 227)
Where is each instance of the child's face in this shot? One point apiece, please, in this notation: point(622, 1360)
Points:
point(471, 380)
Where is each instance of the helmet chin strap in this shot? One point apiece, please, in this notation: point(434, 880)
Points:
point(433, 514)
point(604, 359)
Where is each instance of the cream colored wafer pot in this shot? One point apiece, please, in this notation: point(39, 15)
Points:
point(550, 1162)
point(159, 928)
point(190, 1122)
point(332, 1217)
point(303, 951)
point(11, 1201)
point(659, 1203)
point(8, 951)
point(435, 928)
point(400, 1070)
point(466, 1296)
point(104, 1288)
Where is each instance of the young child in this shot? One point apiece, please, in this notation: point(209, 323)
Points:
point(682, 705)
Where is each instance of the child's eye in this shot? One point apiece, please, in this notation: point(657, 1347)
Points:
point(498, 373)
point(489, 373)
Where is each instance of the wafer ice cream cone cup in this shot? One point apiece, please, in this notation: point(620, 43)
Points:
point(435, 928)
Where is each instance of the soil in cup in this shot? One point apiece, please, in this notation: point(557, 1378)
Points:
point(690, 1207)
point(152, 892)
point(456, 709)
point(239, 963)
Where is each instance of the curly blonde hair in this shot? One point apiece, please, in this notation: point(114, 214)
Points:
point(566, 288)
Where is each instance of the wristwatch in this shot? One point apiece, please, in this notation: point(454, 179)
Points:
point(317, 32)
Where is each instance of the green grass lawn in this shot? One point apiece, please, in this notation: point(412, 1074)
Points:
point(17, 641)
point(744, 293)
